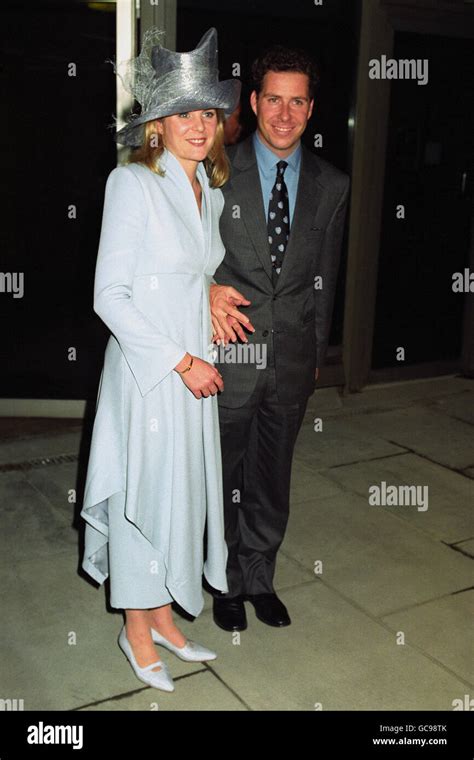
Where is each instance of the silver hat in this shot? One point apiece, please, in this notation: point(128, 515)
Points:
point(165, 83)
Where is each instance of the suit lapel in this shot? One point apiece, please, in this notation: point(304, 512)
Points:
point(308, 199)
point(248, 192)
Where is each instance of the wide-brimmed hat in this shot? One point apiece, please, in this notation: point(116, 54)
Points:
point(165, 83)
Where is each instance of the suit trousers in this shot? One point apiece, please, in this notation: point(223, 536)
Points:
point(257, 442)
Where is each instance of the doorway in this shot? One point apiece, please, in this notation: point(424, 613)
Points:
point(429, 171)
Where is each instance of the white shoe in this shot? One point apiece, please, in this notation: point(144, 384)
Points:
point(191, 652)
point(159, 679)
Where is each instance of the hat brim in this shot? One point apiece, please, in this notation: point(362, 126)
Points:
point(224, 95)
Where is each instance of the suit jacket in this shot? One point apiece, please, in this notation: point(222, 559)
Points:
point(297, 311)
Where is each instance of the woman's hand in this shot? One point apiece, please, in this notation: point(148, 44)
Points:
point(203, 380)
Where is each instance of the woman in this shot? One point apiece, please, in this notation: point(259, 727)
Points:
point(153, 484)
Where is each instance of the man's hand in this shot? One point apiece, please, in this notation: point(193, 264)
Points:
point(226, 318)
point(317, 374)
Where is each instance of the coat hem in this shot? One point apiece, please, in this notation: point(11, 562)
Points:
point(99, 570)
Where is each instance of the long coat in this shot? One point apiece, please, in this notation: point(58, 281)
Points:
point(152, 438)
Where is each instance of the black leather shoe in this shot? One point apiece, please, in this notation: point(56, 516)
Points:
point(229, 613)
point(269, 609)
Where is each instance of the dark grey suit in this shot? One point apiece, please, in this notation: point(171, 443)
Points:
point(261, 410)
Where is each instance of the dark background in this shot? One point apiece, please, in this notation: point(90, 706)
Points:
point(58, 128)
point(58, 149)
point(430, 145)
point(61, 155)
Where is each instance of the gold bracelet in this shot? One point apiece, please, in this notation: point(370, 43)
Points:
point(182, 371)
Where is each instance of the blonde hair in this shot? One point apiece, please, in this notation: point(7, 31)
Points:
point(216, 164)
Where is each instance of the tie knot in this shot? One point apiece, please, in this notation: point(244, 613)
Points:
point(281, 166)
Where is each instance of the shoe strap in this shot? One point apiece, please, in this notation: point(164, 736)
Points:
point(159, 663)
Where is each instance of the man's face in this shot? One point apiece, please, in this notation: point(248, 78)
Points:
point(283, 108)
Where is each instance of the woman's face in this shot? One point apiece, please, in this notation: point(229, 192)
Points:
point(189, 136)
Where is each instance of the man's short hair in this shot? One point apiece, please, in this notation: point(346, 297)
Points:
point(281, 58)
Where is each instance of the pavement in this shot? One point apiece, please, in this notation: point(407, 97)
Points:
point(380, 590)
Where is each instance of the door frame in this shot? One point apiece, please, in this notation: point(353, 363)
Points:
point(380, 20)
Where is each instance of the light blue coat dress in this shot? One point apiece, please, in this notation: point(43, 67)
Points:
point(155, 458)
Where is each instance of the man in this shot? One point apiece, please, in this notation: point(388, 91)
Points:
point(282, 227)
point(233, 127)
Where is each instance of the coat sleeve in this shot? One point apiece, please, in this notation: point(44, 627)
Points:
point(330, 259)
point(151, 355)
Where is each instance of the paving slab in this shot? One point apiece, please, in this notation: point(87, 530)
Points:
point(436, 436)
point(332, 657)
point(59, 643)
point(58, 483)
point(31, 526)
point(377, 560)
point(340, 442)
point(199, 691)
point(308, 483)
point(23, 450)
point(386, 396)
point(467, 547)
point(444, 629)
point(449, 515)
point(459, 405)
